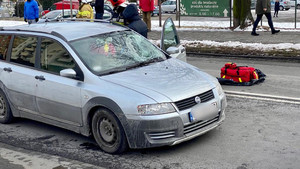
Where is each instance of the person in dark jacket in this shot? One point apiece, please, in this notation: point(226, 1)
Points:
point(276, 8)
point(31, 11)
point(99, 7)
point(263, 7)
point(131, 15)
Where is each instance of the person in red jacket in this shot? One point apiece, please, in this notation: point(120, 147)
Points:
point(147, 7)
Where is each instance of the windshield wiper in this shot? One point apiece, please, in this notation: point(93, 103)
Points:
point(124, 68)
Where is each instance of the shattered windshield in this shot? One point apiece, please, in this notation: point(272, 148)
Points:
point(117, 51)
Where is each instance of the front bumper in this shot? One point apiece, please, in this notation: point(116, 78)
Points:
point(170, 129)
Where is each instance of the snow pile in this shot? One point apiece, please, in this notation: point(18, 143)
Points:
point(235, 44)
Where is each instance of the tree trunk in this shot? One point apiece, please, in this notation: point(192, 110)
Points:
point(241, 11)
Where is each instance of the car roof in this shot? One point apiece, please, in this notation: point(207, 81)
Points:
point(69, 30)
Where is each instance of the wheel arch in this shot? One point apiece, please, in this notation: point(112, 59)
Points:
point(15, 111)
point(101, 102)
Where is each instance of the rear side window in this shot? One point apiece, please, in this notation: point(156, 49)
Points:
point(4, 43)
point(24, 50)
point(54, 57)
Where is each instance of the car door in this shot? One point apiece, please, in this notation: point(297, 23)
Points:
point(58, 98)
point(170, 41)
point(22, 85)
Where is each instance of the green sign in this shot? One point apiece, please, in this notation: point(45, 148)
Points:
point(212, 8)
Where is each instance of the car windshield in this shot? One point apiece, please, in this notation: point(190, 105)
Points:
point(51, 15)
point(117, 51)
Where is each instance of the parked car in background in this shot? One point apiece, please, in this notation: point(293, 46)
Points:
point(62, 5)
point(168, 6)
point(293, 3)
point(155, 11)
point(107, 81)
point(57, 15)
point(283, 4)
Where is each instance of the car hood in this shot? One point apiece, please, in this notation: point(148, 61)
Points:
point(170, 80)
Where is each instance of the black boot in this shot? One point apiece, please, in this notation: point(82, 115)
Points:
point(254, 33)
point(275, 31)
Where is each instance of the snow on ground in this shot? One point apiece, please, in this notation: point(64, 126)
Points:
point(212, 26)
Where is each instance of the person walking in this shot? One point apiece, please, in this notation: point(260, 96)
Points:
point(263, 7)
point(31, 11)
point(131, 15)
point(85, 10)
point(99, 7)
point(276, 8)
point(147, 7)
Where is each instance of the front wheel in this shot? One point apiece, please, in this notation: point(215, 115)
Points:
point(5, 111)
point(108, 132)
point(298, 6)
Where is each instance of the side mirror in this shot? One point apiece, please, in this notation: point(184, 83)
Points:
point(68, 73)
point(172, 50)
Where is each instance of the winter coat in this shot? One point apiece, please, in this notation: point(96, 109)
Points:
point(147, 5)
point(131, 15)
point(261, 4)
point(276, 7)
point(31, 10)
point(85, 11)
point(99, 6)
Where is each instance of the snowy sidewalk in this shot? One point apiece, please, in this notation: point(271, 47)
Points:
point(217, 35)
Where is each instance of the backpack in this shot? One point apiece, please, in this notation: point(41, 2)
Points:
point(231, 74)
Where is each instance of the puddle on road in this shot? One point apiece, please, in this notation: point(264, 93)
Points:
point(90, 146)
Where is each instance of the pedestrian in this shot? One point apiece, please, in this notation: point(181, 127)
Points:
point(263, 7)
point(31, 11)
point(85, 10)
point(99, 7)
point(276, 8)
point(131, 15)
point(147, 7)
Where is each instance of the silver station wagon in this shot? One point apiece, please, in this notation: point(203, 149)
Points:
point(106, 81)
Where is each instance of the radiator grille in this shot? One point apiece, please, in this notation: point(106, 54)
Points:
point(190, 102)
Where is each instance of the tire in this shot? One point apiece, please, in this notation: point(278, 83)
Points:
point(298, 6)
point(5, 111)
point(108, 132)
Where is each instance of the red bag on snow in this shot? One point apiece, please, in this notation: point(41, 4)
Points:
point(240, 75)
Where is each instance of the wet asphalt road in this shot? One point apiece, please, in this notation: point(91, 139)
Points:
point(255, 134)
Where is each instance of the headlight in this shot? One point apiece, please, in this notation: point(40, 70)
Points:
point(219, 88)
point(154, 109)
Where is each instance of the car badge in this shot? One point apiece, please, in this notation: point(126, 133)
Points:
point(197, 99)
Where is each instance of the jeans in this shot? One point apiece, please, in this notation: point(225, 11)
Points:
point(269, 17)
point(147, 19)
point(30, 21)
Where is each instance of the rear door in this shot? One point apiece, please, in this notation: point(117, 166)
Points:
point(170, 41)
point(22, 85)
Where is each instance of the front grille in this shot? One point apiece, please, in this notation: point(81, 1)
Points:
point(162, 135)
point(199, 125)
point(190, 102)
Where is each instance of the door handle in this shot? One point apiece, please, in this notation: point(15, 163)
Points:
point(40, 78)
point(7, 69)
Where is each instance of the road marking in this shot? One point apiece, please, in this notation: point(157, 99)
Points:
point(266, 97)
